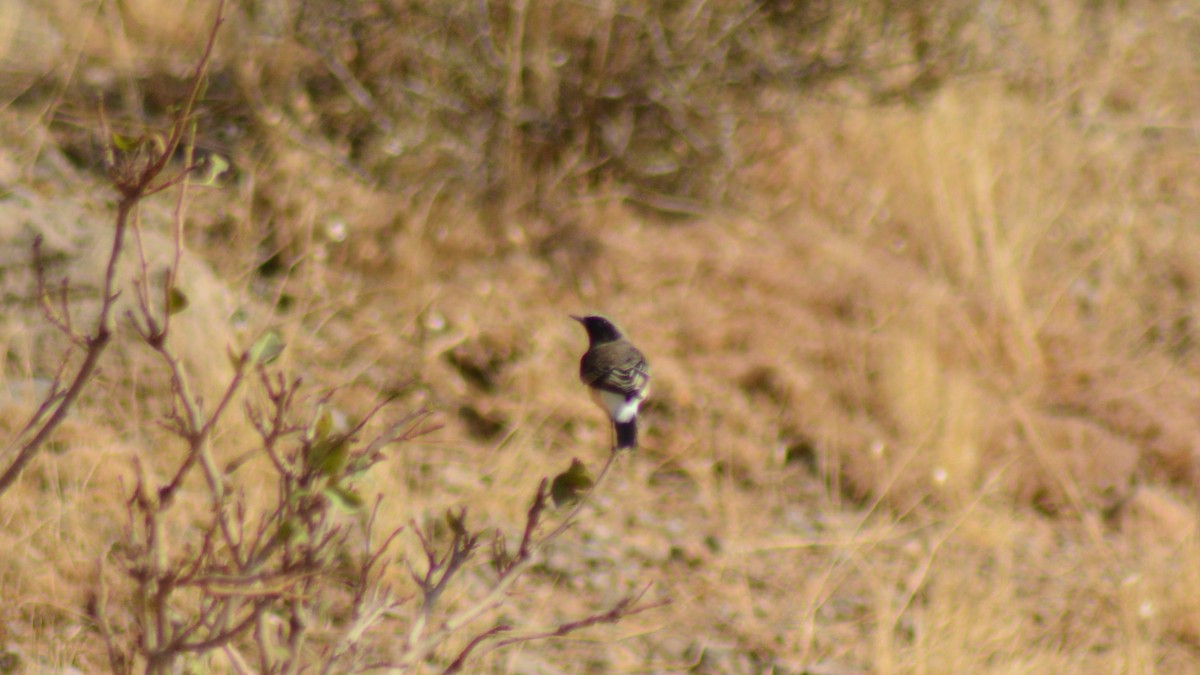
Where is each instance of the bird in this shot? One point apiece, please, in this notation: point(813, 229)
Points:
point(616, 374)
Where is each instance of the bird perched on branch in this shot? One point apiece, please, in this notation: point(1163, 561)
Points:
point(616, 374)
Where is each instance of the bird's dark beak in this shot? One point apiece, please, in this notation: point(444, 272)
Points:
point(577, 318)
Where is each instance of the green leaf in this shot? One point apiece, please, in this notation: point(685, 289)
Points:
point(214, 166)
point(266, 349)
point(343, 499)
point(125, 143)
point(359, 466)
point(176, 301)
point(159, 143)
point(328, 456)
point(322, 425)
point(571, 484)
point(298, 495)
point(457, 522)
point(290, 532)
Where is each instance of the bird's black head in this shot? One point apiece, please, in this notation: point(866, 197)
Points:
point(599, 329)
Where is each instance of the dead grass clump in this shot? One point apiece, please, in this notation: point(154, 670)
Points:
point(520, 104)
point(1013, 296)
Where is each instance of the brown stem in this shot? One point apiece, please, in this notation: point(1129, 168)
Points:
point(96, 343)
point(131, 195)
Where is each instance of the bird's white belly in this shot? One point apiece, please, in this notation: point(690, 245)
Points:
point(616, 406)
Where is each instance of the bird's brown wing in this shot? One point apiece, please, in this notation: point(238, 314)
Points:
point(617, 367)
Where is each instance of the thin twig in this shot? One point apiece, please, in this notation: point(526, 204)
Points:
point(132, 192)
point(626, 607)
point(419, 650)
point(95, 346)
point(458, 662)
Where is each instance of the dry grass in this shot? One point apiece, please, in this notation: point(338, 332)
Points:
point(924, 389)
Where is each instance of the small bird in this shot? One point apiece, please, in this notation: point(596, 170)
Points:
point(616, 374)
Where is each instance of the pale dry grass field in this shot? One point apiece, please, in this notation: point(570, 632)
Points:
point(925, 383)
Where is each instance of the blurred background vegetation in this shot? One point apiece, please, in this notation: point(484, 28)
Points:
point(918, 281)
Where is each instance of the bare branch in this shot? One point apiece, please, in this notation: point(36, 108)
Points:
point(60, 316)
point(626, 607)
point(419, 649)
point(456, 665)
point(133, 181)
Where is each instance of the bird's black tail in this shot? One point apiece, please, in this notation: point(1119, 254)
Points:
point(626, 434)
